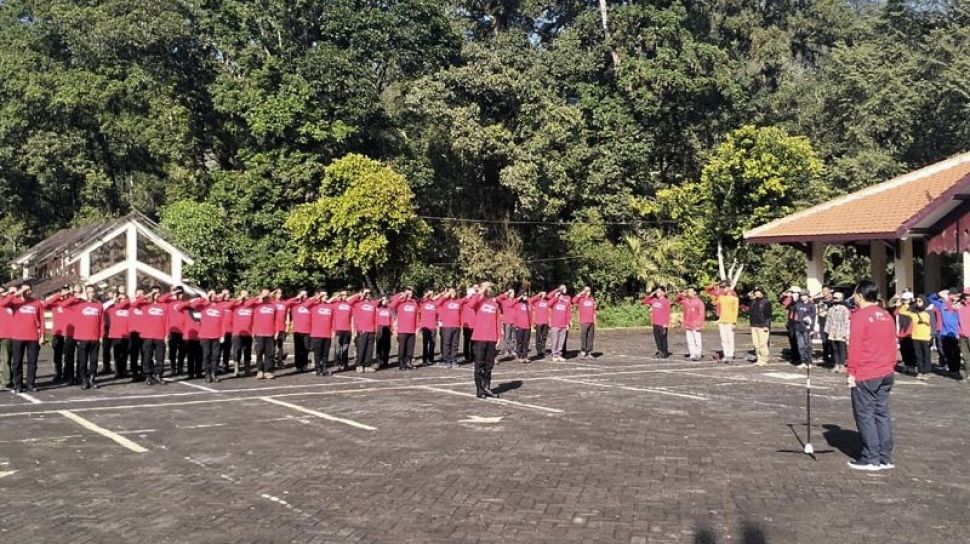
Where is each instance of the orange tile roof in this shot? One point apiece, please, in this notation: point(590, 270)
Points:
point(882, 211)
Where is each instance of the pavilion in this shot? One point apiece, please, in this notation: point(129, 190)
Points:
point(920, 217)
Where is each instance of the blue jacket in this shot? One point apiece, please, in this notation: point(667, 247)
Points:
point(950, 317)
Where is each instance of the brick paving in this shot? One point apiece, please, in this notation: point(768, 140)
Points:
point(624, 448)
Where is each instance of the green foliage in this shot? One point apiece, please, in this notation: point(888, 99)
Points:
point(622, 314)
point(202, 229)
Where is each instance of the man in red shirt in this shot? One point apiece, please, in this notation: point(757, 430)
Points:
point(540, 312)
point(176, 329)
point(561, 317)
point(135, 317)
point(59, 316)
point(264, 335)
point(467, 324)
point(507, 301)
point(384, 322)
point(26, 335)
point(449, 313)
point(321, 332)
point(659, 306)
point(521, 318)
point(428, 320)
point(486, 335)
point(226, 305)
point(211, 335)
point(407, 323)
point(693, 322)
point(118, 316)
point(587, 321)
point(365, 325)
point(299, 309)
point(154, 332)
point(88, 327)
point(343, 311)
point(242, 331)
point(871, 365)
point(282, 313)
point(6, 344)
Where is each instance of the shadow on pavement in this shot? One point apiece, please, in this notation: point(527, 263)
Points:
point(507, 386)
point(845, 440)
point(751, 533)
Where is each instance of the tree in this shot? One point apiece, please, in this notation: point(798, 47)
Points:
point(364, 219)
point(204, 231)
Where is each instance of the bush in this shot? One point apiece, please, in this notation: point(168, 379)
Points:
point(626, 313)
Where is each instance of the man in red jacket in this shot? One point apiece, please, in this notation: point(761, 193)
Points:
point(407, 324)
point(587, 321)
point(300, 309)
point(154, 332)
point(135, 317)
point(118, 316)
point(521, 317)
point(343, 311)
point(428, 321)
point(365, 326)
point(26, 335)
point(264, 335)
point(540, 312)
point(321, 332)
point(486, 335)
point(59, 314)
point(210, 333)
point(561, 318)
point(659, 306)
point(242, 332)
point(449, 313)
point(88, 327)
point(176, 329)
point(468, 323)
point(6, 344)
point(871, 365)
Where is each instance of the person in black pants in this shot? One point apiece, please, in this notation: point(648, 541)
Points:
point(29, 350)
point(119, 352)
point(211, 353)
point(427, 346)
point(660, 339)
point(405, 350)
point(265, 347)
point(301, 350)
point(152, 360)
point(383, 346)
point(484, 353)
point(450, 337)
point(134, 352)
point(87, 362)
point(106, 347)
point(225, 349)
point(342, 354)
point(321, 355)
point(466, 348)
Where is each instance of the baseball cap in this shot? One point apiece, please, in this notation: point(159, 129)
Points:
point(907, 295)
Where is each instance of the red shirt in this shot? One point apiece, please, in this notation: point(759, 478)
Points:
point(6, 322)
point(407, 315)
point(136, 315)
point(659, 310)
point(449, 312)
point(154, 321)
point(176, 316)
point(540, 309)
point(282, 309)
point(191, 324)
point(562, 312)
point(508, 307)
point(264, 319)
point(242, 318)
point(872, 345)
point(212, 316)
point(60, 314)
point(88, 321)
point(384, 316)
point(488, 322)
point(522, 314)
point(227, 308)
point(119, 316)
point(587, 309)
point(468, 312)
point(429, 313)
point(27, 320)
point(321, 321)
point(300, 316)
point(342, 312)
point(364, 318)
point(693, 312)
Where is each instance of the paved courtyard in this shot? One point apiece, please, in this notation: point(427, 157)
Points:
point(623, 448)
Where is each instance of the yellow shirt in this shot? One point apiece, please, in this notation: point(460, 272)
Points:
point(728, 308)
point(921, 324)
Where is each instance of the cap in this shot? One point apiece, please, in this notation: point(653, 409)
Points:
point(907, 295)
point(758, 289)
point(795, 289)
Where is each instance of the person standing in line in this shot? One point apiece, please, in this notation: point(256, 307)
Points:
point(119, 318)
point(407, 322)
point(88, 327)
point(759, 315)
point(540, 314)
point(871, 366)
point(321, 332)
point(922, 336)
point(105, 341)
point(59, 315)
point(212, 313)
point(343, 310)
point(837, 329)
point(226, 306)
point(449, 312)
point(300, 323)
point(176, 329)
point(283, 309)
point(521, 317)
point(467, 324)
point(485, 337)
point(804, 313)
point(365, 325)
point(136, 316)
point(384, 322)
point(6, 343)
point(726, 306)
point(154, 332)
point(822, 304)
point(788, 300)
point(264, 335)
point(904, 329)
point(428, 320)
point(26, 335)
point(70, 345)
point(192, 321)
point(659, 306)
point(243, 312)
point(693, 322)
point(587, 321)
point(507, 301)
point(561, 319)
point(949, 324)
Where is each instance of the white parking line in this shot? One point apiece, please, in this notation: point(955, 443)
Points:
point(87, 424)
point(192, 385)
point(31, 399)
point(320, 415)
point(501, 401)
point(658, 390)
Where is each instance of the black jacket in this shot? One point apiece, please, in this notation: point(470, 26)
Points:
point(760, 313)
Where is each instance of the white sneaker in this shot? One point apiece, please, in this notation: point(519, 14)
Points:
point(886, 466)
point(856, 465)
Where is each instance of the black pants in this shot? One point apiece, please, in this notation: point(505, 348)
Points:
point(226, 351)
point(484, 353)
point(106, 353)
point(450, 338)
point(587, 332)
point(70, 350)
point(87, 360)
point(176, 352)
point(321, 353)
point(301, 350)
point(907, 351)
point(265, 347)
point(211, 353)
point(466, 346)
point(193, 355)
point(119, 352)
point(791, 328)
point(427, 346)
point(660, 339)
point(57, 345)
point(405, 349)
point(365, 348)
point(280, 353)
point(826, 343)
point(803, 339)
point(522, 337)
point(870, 406)
point(134, 351)
point(342, 354)
point(840, 351)
point(242, 351)
point(542, 338)
point(951, 348)
point(921, 352)
point(384, 345)
point(23, 349)
point(152, 356)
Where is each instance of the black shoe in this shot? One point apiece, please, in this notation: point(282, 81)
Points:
point(86, 386)
point(489, 393)
point(480, 395)
point(31, 389)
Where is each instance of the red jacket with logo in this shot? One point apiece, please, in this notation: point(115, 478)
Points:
point(488, 320)
point(27, 321)
point(264, 319)
point(872, 344)
point(364, 316)
point(119, 316)
point(321, 320)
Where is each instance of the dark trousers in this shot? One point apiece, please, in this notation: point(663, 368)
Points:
point(484, 353)
point(427, 346)
point(152, 356)
point(280, 353)
point(826, 344)
point(383, 345)
point(951, 347)
point(791, 328)
point(840, 351)
point(542, 338)
point(321, 353)
point(466, 347)
point(134, 352)
point(870, 406)
point(587, 332)
point(6, 362)
point(921, 352)
point(342, 353)
point(508, 338)
point(193, 355)
point(803, 340)
point(211, 353)
point(70, 351)
point(57, 345)
point(226, 351)
point(106, 353)
point(405, 349)
point(365, 348)
point(176, 352)
point(301, 349)
point(906, 351)
point(265, 347)
point(660, 339)
point(522, 337)
point(450, 338)
point(119, 352)
point(242, 351)
point(20, 350)
point(87, 360)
